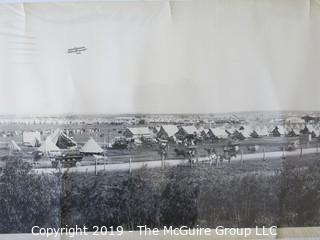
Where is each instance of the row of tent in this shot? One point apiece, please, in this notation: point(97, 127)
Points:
point(58, 141)
point(172, 131)
point(69, 132)
point(169, 131)
point(247, 132)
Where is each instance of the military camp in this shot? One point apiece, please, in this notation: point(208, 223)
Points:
point(48, 143)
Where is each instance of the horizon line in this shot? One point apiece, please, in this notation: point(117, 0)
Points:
point(153, 113)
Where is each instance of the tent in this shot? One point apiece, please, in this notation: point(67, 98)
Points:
point(313, 130)
point(61, 140)
point(278, 131)
point(31, 138)
point(187, 131)
point(137, 132)
point(218, 132)
point(205, 133)
point(13, 146)
point(167, 131)
point(48, 146)
point(91, 147)
point(262, 131)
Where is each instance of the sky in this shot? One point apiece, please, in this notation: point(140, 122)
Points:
point(160, 57)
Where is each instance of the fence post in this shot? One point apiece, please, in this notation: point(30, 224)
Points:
point(95, 166)
point(130, 160)
point(264, 154)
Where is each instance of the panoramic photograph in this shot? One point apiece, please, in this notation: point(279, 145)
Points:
point(234, 170)
point(117, 117)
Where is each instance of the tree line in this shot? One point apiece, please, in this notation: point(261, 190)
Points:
point(176, 196)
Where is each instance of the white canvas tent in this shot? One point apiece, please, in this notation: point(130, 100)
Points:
point(91, 147)
point(137, 132)
point(262, 131)
point(246, 131)
point(190, 130)
point(218, 132)
point(61, 140)
point(167, 131)
point(31, 138)
point(13, 146)
point(48, 147)
point(315, 131)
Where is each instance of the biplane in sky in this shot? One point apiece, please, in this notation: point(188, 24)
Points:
point(77, 50)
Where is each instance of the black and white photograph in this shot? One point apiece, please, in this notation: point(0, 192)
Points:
point(123, 116)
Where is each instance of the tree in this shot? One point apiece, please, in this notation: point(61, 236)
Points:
point(27, 199)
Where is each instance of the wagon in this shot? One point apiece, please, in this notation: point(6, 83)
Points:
point(69, 158)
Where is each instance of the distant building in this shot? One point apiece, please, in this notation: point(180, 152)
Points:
point(311, 119)
point(294, 123)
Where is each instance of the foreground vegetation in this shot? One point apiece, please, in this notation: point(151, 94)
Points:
point(283, 193)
